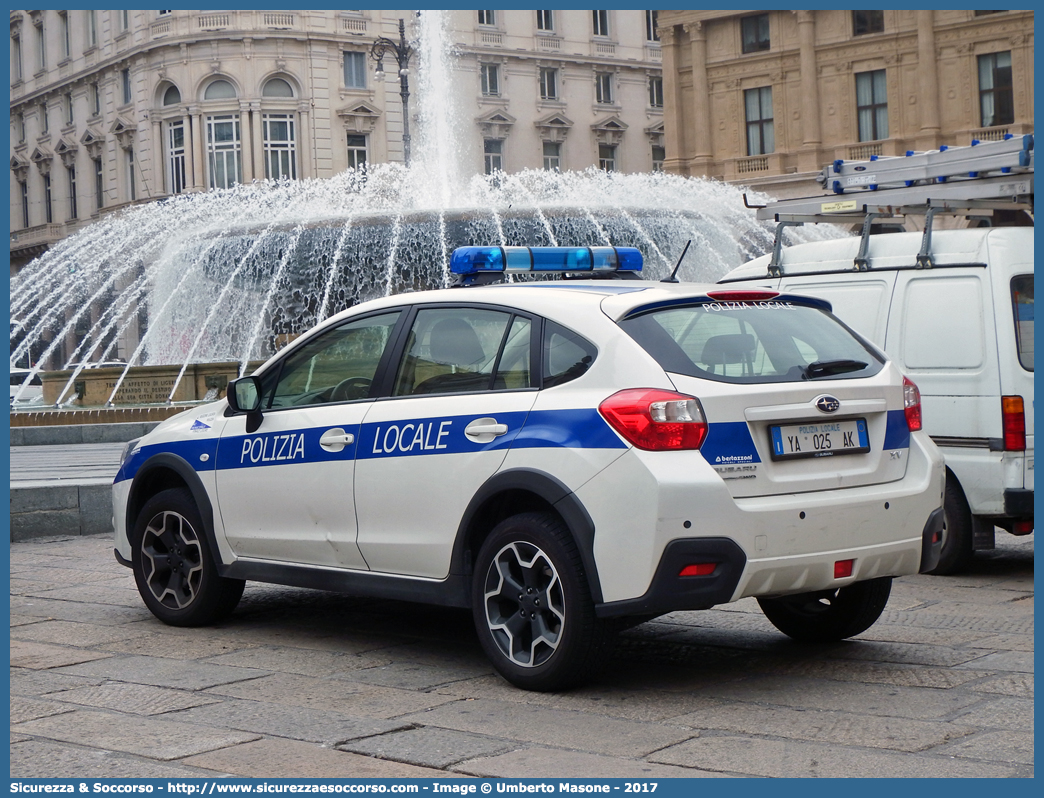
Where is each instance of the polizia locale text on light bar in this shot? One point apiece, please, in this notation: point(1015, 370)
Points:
point(468, 261)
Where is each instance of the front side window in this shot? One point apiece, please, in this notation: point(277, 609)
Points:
point(548, 83)
point(490, 80)
point(600, 23)
point(280, 141)
point(604, 87)
point(754, 32)
point(1022, 302)
point(566, 354)
point(545, 20)
point(493, 155)
point(864, 22)
point(354, 70)
point(356, 151)
point(337, 366)
point(996, 99)
point(750, 342)
point(872, 105)
point(760, 133)
point(607, 157)
point(176, 157)
point(656, 92)
point(458, 350)
point(224, 150)
point(552, 156)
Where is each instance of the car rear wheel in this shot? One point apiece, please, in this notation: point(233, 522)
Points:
point(957, 548)
point(173, 567)
point(532, 606)
point(824, 616)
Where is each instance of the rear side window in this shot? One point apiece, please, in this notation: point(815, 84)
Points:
point(750, 342)
point(1022, 301)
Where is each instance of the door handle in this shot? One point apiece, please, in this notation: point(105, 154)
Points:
point(334, 440)
point(484, 430)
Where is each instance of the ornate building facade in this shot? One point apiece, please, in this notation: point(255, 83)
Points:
point(768, 98)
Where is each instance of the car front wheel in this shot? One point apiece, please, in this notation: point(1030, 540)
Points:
point(824, 616)
point(173, 567)
point(532, 606)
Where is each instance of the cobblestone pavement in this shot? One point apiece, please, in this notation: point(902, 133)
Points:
point(300, 683)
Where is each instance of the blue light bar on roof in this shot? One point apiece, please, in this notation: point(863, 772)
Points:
point(476, 260)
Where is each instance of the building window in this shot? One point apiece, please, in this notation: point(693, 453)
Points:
point(658, 155)
point(277, 87)
point(490, 79)
point(125, 83)
point(176, 156)
point(131, 190)
point(25, 203)
point(356, 151)
point(99, 185)
point(220, 90)
point(171, 96)
point(224, 152)
point(545, 20)
point(95, 99)
point(20, 127)
point(656, 92)
point(864, 22)
point(872, 105)
point(487, 17)
point(604, 87)
point(92, 28)
point(280, 146)
point(67, 104)
point(71, 172)
point(607, 157)
point(493, 155)
point(760, 135)
point(548, 83)
point(45, 124)
point(754, 32)
point(995, 11)
point(996, 100)
point(47, 199)
point(651, 20)
point(552, 156)
point(16, 60)
point(125, 20)
point(63, 18)
point(600, 23)
point(354, 70)
point(41, 48)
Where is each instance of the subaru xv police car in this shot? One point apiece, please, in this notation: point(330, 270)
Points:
point(565, 458)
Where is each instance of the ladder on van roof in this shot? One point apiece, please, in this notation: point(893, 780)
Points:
point(989, 175)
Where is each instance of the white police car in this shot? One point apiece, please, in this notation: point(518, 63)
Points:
point(565, 458)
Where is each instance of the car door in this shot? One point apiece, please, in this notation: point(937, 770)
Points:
point(461, 391)
point(285, 489)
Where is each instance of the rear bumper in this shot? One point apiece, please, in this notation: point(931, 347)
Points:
point(932, 541)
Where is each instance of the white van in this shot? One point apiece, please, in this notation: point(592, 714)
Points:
point(962, 330)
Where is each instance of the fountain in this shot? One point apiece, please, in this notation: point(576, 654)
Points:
point(198, 288)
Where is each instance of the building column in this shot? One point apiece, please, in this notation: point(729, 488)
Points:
point(159, 159)
point(306, 167)
point(700, 149)
point(673, 128)
point(928, 81)
point(809, 159)
point(246, 142)
point(197, 148)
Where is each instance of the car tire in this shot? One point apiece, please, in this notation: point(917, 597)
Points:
point(532, 606)
point(825, 616)
point(957, 548)
point(173, 566)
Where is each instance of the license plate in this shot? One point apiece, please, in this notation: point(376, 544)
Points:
point(819, 439)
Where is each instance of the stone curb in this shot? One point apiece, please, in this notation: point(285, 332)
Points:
point(58, 510)
point(66, 434)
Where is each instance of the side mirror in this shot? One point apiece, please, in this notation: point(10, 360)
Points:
point(244, 396)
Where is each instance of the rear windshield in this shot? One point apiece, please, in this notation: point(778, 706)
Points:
point(752, 342)
point(1022, 299)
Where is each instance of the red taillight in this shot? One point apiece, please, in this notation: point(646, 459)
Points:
point(843, 568)
point(1014, 416)
point(742, 296)
point(656, 420)
point(698, 569)
point(1023, 527)
point(911, 405)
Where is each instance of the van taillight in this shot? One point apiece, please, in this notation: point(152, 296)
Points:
point(1014, 416)
point(656, 420)
point(911, 405)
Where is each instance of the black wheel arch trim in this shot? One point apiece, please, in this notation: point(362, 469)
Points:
point(551, 490)
point(180, 466)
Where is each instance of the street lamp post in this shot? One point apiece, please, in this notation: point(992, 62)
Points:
point(401, 52)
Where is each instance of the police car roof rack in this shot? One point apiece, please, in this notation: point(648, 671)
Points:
point(985, 176)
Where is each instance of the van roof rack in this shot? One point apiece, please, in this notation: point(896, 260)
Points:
point(986, 176)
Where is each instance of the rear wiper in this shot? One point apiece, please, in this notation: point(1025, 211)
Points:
point(826, 368)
